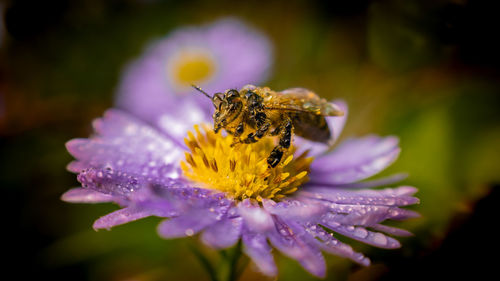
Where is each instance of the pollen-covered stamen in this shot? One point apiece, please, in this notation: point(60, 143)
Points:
point(242, 170)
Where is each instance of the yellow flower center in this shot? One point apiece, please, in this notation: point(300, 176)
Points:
point(242, 170)
point(192, 67)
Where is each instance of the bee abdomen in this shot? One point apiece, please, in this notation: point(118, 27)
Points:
point(311, 126)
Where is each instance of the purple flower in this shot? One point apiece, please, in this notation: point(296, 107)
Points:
point(225, 54)
point(224, 193)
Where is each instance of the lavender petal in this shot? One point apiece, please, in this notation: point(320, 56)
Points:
point(294, 209)
point(330, 244)
point(386, 181)
point(256, 218)
point(392, 230)
point(256, 247)
point(187, 224)
point(359, 233)
point(121, 216)
point(363, 214)
point(128, 145)
point(84, 195)
point(400, 196)
point(355, 159)
point(223, 234)
point(336, 124)
point(293, 240)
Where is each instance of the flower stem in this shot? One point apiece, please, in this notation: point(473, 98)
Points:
point(234, 273)
point(205, 262)
point(229, 269)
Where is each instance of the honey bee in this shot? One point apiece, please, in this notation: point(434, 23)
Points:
point(255, 112)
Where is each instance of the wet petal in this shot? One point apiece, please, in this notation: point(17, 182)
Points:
point(294, 209)
point(223, 234)
point(113, 182)
point(128, 145)
point(400, 196)
point(359, 233)
point(187, 224)
point(371, 183)
point(109, 182)
point(354, 160)
point(183, 198)
point(84, 195)
point(364, 214)
point(363, 207)
point(293, 240)
point(330, 244)
point(121, 216)
point(392, 230)
point(256, 218)
point(256, 247)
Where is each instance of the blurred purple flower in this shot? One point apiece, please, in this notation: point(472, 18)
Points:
point(225, 54)
point(139, 167)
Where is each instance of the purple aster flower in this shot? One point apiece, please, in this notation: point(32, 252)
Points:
point(225, 54)
point(226, 194)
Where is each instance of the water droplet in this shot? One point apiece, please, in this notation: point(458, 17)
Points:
point(391, 201)
point(334, 224)
point(379, 238)
point(360, 232)
point(189, 232)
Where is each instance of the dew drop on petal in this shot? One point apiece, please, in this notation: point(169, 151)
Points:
point(189, 232)
point(360, 232)
point(379, 239)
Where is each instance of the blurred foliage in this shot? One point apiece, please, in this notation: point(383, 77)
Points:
point(426, 71)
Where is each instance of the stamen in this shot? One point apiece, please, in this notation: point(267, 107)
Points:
point(242, 170)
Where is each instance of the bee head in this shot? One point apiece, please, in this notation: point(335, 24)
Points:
point(228, 107)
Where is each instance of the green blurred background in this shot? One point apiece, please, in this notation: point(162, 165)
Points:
point(427, 71)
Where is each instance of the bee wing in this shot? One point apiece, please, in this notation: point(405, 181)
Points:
point(303, 100)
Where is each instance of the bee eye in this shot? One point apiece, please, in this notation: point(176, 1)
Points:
point(217, 100)
point(249, 95)
point(221, 106)
point(232, 93)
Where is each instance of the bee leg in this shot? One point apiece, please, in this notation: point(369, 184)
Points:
point(276, 131)
point(261, 132)
point(239, 129)
point(275, 156)
point(237, 133)
point(284, 144)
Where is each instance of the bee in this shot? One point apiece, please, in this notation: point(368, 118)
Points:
point(255, 112)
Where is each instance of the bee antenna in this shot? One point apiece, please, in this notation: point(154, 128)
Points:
point(201, 91)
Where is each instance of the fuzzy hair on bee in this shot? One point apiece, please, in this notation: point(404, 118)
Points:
point(256, 112)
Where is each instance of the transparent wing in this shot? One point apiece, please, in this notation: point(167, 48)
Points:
point(302, 100)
